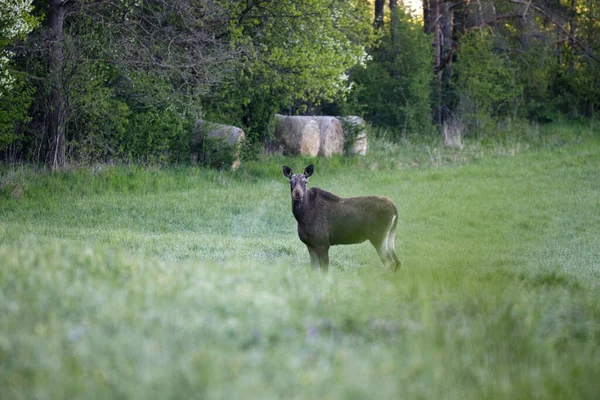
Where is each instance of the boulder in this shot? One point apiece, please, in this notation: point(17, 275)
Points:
point(298, 134)
point(223, 144)
point(355, 133)
point(230, 135)
point(331, 136)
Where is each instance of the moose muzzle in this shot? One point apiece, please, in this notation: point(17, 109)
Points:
point(297, 193)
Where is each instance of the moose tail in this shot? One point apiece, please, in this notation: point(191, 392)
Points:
point(391, 241)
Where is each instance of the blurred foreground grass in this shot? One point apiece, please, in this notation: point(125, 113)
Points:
point(128, 282)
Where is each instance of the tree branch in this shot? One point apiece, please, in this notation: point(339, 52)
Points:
point(558, 25)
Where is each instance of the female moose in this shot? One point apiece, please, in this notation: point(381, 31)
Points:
point(325, 219)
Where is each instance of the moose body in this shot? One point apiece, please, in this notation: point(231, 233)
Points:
point(325, 220)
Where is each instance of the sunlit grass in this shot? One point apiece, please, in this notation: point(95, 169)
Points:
point(128, 282)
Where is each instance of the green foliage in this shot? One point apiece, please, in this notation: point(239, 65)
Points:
point(241, 104)
point(536, 72)
point(118, 113)
point(14, 106)
point(352, 131)
point(215, 152)
point(157, 136)
point(16, 21)
point(585, 71)
point(296, 55)
point(99, 117)
point(586, 89)
point(485, 80)
point(576, 91)
point(137, 74)
point(394, 88)
point(555, 69)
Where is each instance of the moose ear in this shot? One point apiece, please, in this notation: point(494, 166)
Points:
point(287, 171)
point(308, 171)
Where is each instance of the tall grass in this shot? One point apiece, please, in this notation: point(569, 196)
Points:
point(129, 282)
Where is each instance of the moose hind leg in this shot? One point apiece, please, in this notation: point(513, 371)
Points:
point(383, 252)
point(392, 250)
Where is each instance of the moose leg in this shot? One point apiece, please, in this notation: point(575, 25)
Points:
point(323, 253)
point(392, 250)
point(381, 245)
point(314, 258)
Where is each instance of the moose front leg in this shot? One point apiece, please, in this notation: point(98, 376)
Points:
point(323, 253)
point(314, 258)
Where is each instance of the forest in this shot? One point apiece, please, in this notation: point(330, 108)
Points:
point(92, 81)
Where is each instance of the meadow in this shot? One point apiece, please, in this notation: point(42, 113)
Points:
point(184, 282)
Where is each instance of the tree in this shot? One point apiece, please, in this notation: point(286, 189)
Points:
point(98, 65)
point(16, 21)
point(379, 12)
point(393, 89)
point(55, 157)
point(146, 44)
point(541, 39)
point(296, 55)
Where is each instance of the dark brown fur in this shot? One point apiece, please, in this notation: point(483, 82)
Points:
point(325, 220)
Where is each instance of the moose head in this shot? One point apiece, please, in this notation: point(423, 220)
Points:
point(298, 181)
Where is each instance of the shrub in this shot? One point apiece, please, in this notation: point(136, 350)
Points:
point(14, 107)
point(157, 136)
point(394, 88)
point(101, 120)
point(485, 85)
point(214, 152)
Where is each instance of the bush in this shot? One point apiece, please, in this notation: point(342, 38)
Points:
point(100, 120)
point(394, 88)
point(157, 136)
point(485, 85)
point(352, 131)
point(14, 107)
point(215, 152)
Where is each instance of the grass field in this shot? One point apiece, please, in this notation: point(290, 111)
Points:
point(141, 283)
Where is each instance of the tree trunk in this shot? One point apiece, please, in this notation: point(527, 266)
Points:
point(459, 18)
point(446, 32)
point(437, 46)
point(394, 20)
point(427, 21)
point(441, 17)
point(379, 5)
point(55, 157)
point(572, 16)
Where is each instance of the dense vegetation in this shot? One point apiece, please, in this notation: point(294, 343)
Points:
point(94, 81)
point(179, 282)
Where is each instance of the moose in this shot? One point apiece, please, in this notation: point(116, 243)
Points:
point(325, 220)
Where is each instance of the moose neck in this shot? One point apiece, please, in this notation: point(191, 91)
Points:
point(299, 207)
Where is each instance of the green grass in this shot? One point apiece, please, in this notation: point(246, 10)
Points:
point(129, 282)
